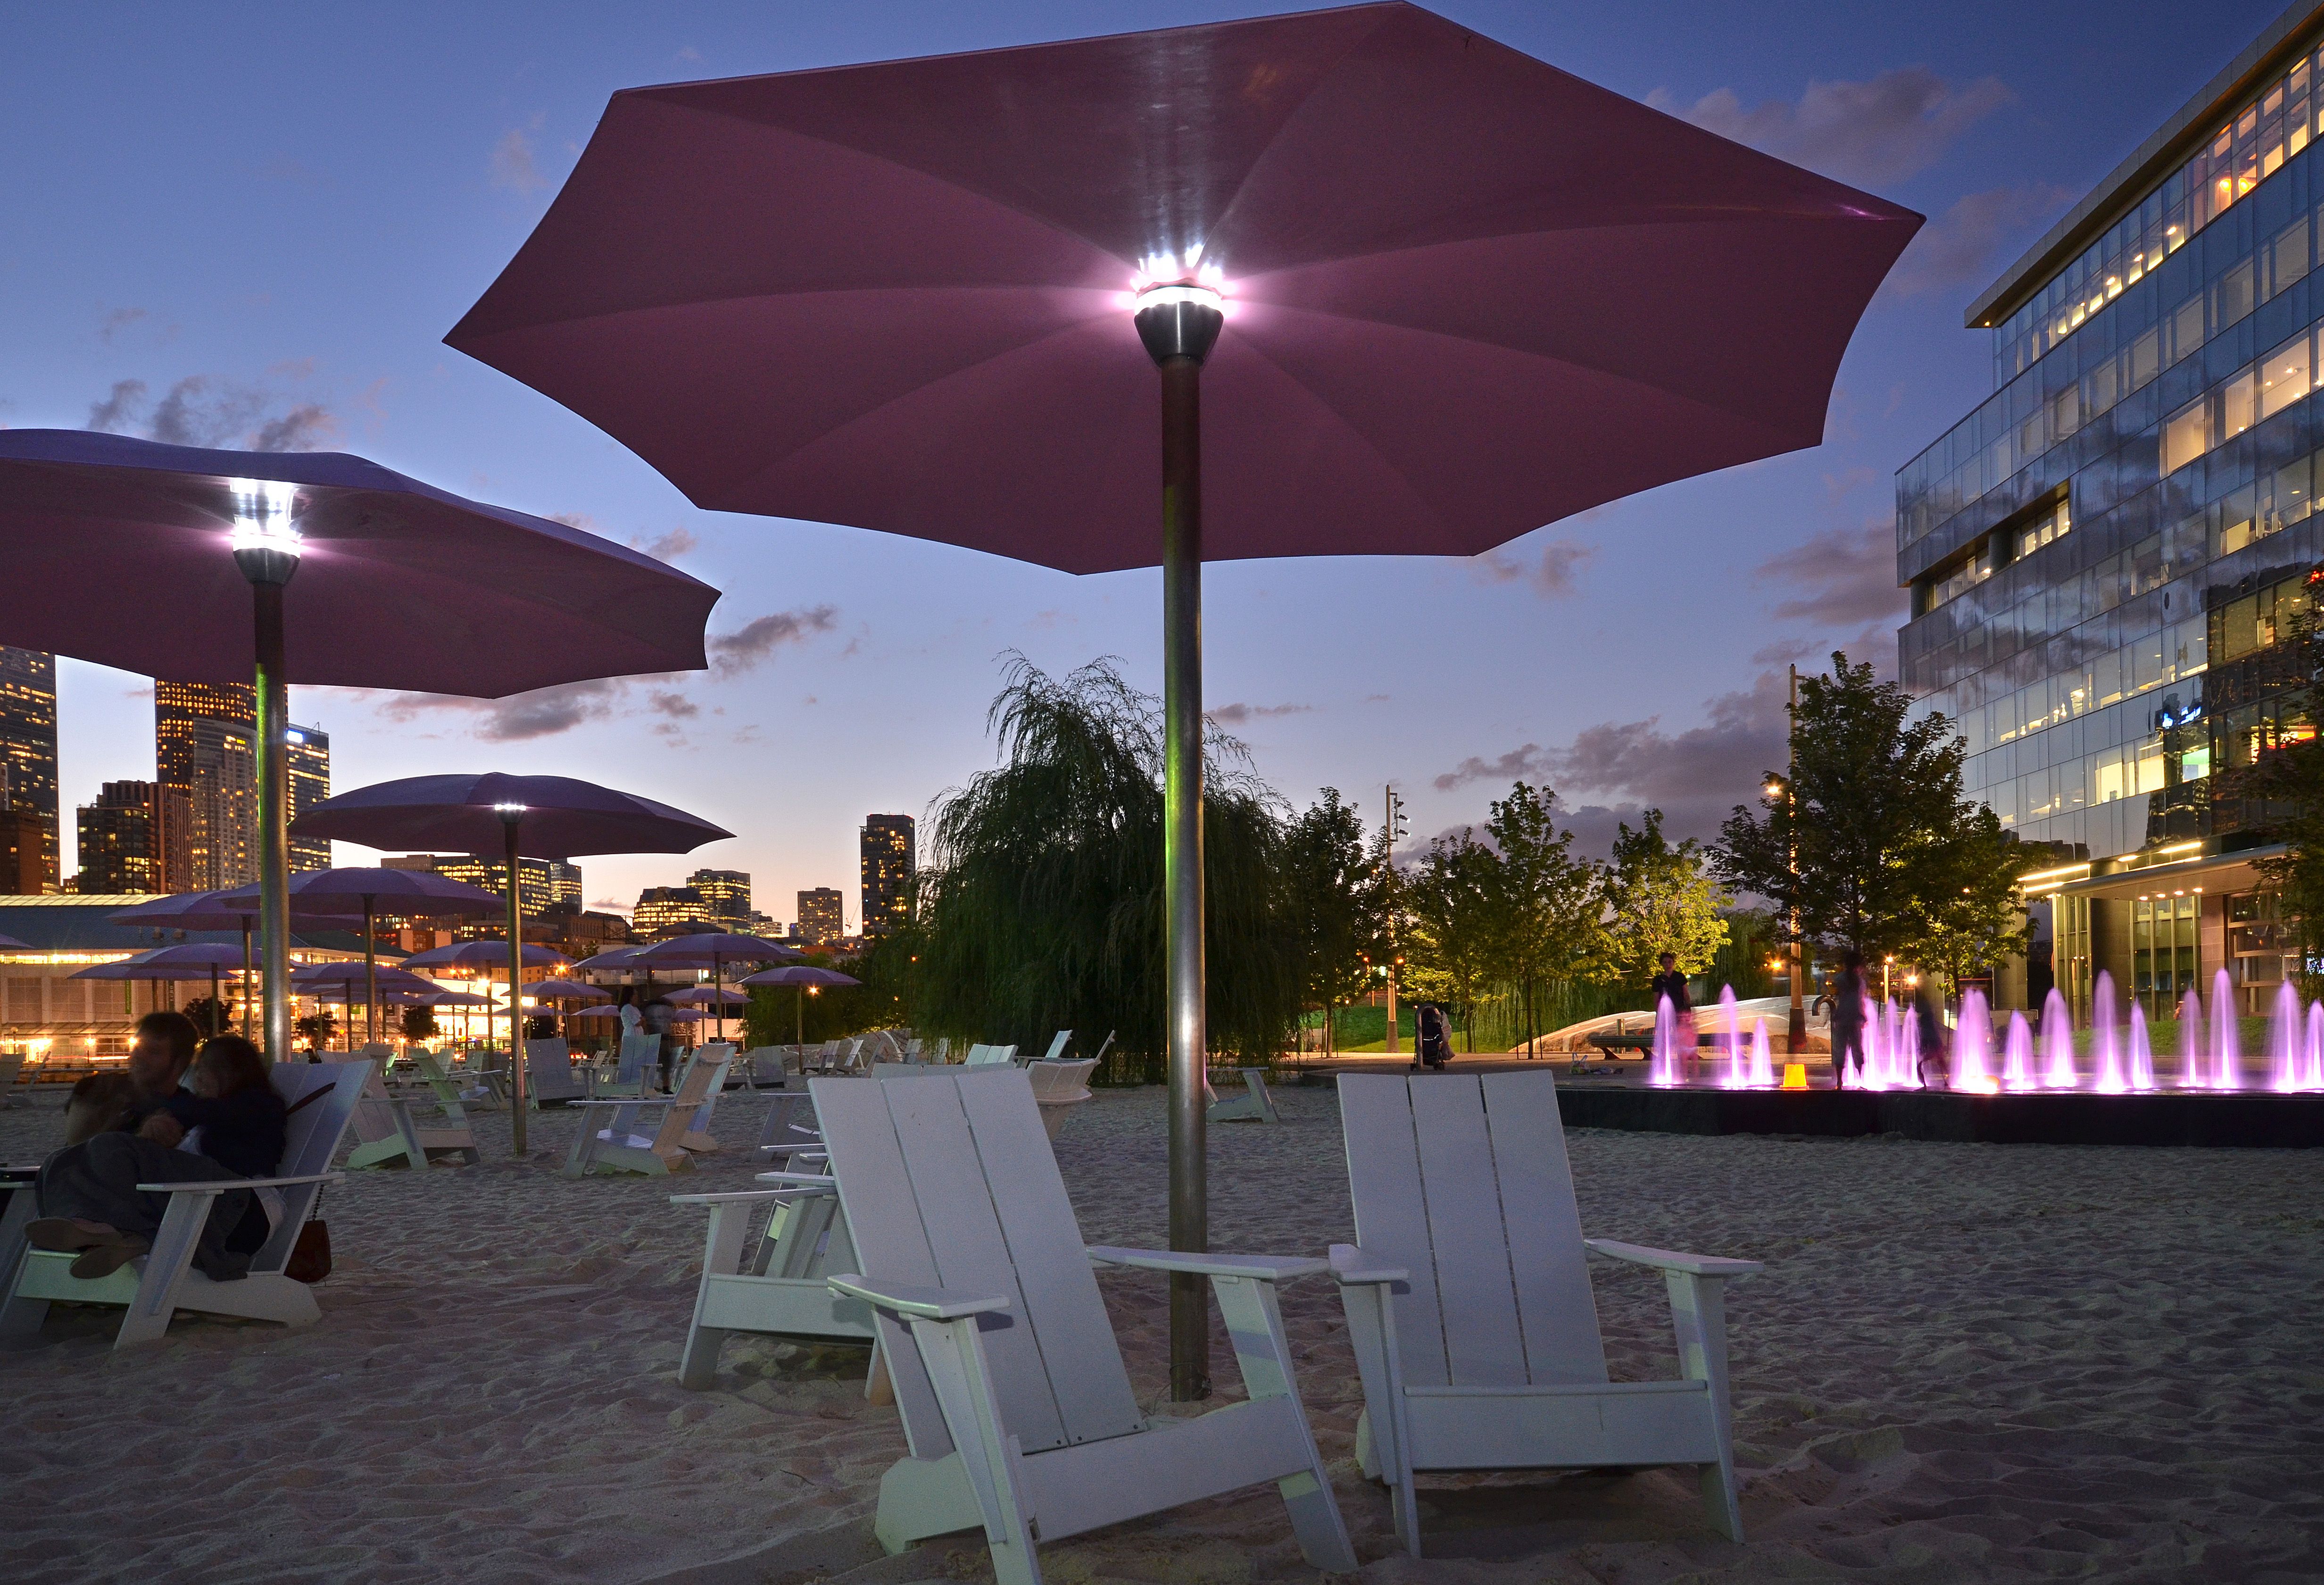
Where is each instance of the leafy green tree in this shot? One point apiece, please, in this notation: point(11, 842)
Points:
point(1457, 923)
point(419, 1023)
point(1661, 899)
point(1335, 904)
point(1741, 959)
point(210, 1015)
point(317, 1027)
point(1971, 914)
point(1043, 908)
point(1890, 853)
point(1546, 903)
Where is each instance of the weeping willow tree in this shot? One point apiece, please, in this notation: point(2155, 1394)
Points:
point(1042, 907)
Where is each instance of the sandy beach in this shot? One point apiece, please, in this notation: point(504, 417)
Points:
point(1963, 1362)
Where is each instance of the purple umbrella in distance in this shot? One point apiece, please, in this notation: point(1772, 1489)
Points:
point(696, 949)
point(416, 893)
point(540, 817)
point(211, 911)
point(205, 957)
point(807, 978)
point(1439, 294)
point(136, 554)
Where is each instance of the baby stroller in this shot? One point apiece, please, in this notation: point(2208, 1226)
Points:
point(1436, 1031)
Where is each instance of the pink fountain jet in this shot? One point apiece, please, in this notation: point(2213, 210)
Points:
point(1972, 1065)
point(2226, 1048)
point(1762, 1060)
point(2057, 1044)
point(2017, 1054)
point(2142, 1054)
point(2105, 1050)
point(2191, 1041)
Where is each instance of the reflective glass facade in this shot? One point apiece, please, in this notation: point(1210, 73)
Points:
point(2101, 553)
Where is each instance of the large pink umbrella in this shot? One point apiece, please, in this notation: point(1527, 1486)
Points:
point(1443, 294)
point(178, 562)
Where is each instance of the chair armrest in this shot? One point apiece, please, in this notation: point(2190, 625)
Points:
point(923, 1304)
point(1700, 1266)
point(1270, 1268)
point(746, 1196)
point(218, 1183)
point(1353, 1268)
point(798, 1180)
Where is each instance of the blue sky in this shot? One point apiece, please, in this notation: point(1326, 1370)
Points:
point(229, 221)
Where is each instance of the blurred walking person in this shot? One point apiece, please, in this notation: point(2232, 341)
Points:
point(1848, 1019)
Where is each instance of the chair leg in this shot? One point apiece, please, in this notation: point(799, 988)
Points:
point(1699, 1318)
point(1255, 1322)
point(962, 1378)
point(147, 1319)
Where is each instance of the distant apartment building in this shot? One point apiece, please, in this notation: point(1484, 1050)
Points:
point(542, 883)
point(205, 749)
point(310, 760)
point(24, 847)
point(822, 917)
point(661, 907)
point(28, 747)
point(886, 844)
point(725, 897)
point(122, 838)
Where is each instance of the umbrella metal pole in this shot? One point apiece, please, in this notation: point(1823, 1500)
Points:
point(1179, 336)
point(245, 977)
point(371, 980)
point(516, 978)
point(273, 817)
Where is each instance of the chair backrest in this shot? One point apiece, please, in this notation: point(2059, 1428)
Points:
point(943, 1052)
point(316, 1128)
point(375, 1115)
point(1061, 1082)
point(948, 1180)
point(986, 1056)
point(641, 1050)
point(1057, 1046)
point(1463, 1179)
point(548, 1069)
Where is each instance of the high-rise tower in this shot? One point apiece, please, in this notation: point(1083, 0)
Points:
point(886, 844)
point(28, 743)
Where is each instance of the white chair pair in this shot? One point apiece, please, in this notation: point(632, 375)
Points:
point(990, 1056)
point(155, 1285)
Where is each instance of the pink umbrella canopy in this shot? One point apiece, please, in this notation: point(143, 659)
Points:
point(1467, 293)
point(552, 816)
point(399, 584)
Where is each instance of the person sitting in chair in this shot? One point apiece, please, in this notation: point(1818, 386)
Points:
point(87, 1192)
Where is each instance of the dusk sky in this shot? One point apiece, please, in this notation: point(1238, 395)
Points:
point(238, 226)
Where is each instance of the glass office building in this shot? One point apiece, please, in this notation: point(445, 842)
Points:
point(2105, 556)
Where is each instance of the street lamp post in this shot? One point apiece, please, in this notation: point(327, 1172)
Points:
point(266, 548)
point(1796, 1031)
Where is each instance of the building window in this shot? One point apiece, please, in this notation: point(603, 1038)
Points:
point(2164, 953)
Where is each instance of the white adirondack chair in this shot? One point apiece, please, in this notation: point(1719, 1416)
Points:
point(1060, 1088)
point(779, 1289)
point(1057, 1046)
point(16, 1206)
point(697, 1136)
point(1015, 1402)
point(619, 1149)
point(157, 1285)
point(548, 1078)
point(14, 1091)
point(390, 1136)
point(938, 1055)
point(992, 1056)
point(1469, 1303)
point(789, 1125)
point(767, 1068)
point(1254, 1106)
